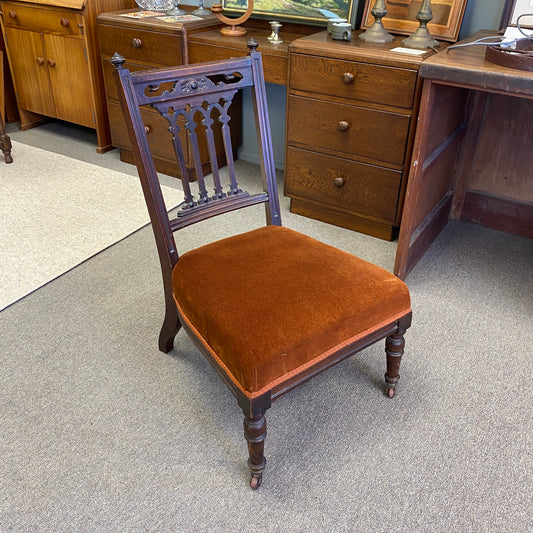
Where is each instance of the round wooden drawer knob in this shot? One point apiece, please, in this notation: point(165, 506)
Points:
point(348, 78)
point(136, 42)
point(51, 63)
point(12, 14)
point(40, 61)
point(65, 23)
point(343, 125)
point(339, 182)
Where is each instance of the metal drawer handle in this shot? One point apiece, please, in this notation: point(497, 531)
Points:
point(339, 182)
point(64, 22)
point(13, 14)
point(136, 42)
point(348, 78)
point(40, 61)
point(147, 129)
point(51, 63)
point(343, 125)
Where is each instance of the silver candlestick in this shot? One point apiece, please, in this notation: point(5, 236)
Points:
point(202, 11)
point(274, 37)
point(421, 38)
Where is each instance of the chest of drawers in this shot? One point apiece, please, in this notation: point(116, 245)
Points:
point(55, 61)
point(351, 116)
point(152, 43)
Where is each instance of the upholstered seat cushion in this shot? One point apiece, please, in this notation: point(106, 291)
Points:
point(272, 301)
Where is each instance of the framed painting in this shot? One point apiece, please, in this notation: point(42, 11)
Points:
point(513, 9)
point(300, 11)
point(401, 17)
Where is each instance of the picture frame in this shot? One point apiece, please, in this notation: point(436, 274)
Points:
point(512, 9)
point(314, 12)
point(401, 17)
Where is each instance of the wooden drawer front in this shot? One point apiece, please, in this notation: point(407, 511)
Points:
point(141, 46)
point(159, 138)
point(274, 67)
point(344, 184)
point(378, 135)
point(349, 79)
point(108, 68)
point(60, 21)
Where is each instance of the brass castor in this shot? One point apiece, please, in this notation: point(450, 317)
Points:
point(390, 392)
point(255, 482)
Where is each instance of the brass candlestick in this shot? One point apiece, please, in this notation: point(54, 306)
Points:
point(421, 38)
point(377, 33)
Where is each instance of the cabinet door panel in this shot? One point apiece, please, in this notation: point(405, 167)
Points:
point(29, 71)
point(71, 81)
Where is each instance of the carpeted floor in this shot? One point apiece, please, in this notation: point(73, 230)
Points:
point(102, 432)
point(58, 211)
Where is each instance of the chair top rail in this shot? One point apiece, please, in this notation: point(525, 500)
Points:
point(186, 82)
point(187, 218)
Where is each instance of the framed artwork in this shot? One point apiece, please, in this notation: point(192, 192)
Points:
point(401, 17)
point(513, 9)
point(301, 11)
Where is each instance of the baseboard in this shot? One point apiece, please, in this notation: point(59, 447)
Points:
point(504, 214)
point(254, 158)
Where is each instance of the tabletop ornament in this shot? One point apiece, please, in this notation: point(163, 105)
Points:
point(421, 38)
point(377, 32)
point(201, 10)
point(232, 30)
point(274, 37)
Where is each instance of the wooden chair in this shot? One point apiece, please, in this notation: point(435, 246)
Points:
point(5, 141)
point(269, 308)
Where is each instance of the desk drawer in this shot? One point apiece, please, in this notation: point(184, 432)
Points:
point(368, 133)
point(159, 138)
point(141, 46)
point(59, 21)
point(109, 80)
point(344, 184)
point(350, 79)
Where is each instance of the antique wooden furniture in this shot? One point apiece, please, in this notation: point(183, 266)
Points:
point(210, 46)
point(351, 117)
point(269, 308)
point(472, 158)
point(55, 62)
point(5, 141)
point(9, 107)
point(148, 43)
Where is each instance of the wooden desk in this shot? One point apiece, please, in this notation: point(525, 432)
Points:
point(211, 46)
point(472, 158)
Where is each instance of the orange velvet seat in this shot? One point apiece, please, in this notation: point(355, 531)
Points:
point(276, 301)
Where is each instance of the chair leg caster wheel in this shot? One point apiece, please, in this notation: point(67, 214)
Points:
point(390, 392)
point(255, 482)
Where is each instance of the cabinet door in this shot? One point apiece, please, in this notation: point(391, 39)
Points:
point(29, 71)
point(68, 67)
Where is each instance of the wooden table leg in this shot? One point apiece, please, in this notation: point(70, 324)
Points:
point(5, 141)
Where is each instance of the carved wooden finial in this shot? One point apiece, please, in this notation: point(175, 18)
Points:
point(252, 44)
point(118, 61)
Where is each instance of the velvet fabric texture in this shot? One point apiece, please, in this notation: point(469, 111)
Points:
point(272, 301)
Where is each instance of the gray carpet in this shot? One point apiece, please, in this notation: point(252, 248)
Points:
point(102, 432)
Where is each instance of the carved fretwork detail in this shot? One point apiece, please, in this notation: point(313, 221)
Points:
point(208, 117)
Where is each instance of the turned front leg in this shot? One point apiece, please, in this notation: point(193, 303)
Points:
point(394, 347)
point(255, 433)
